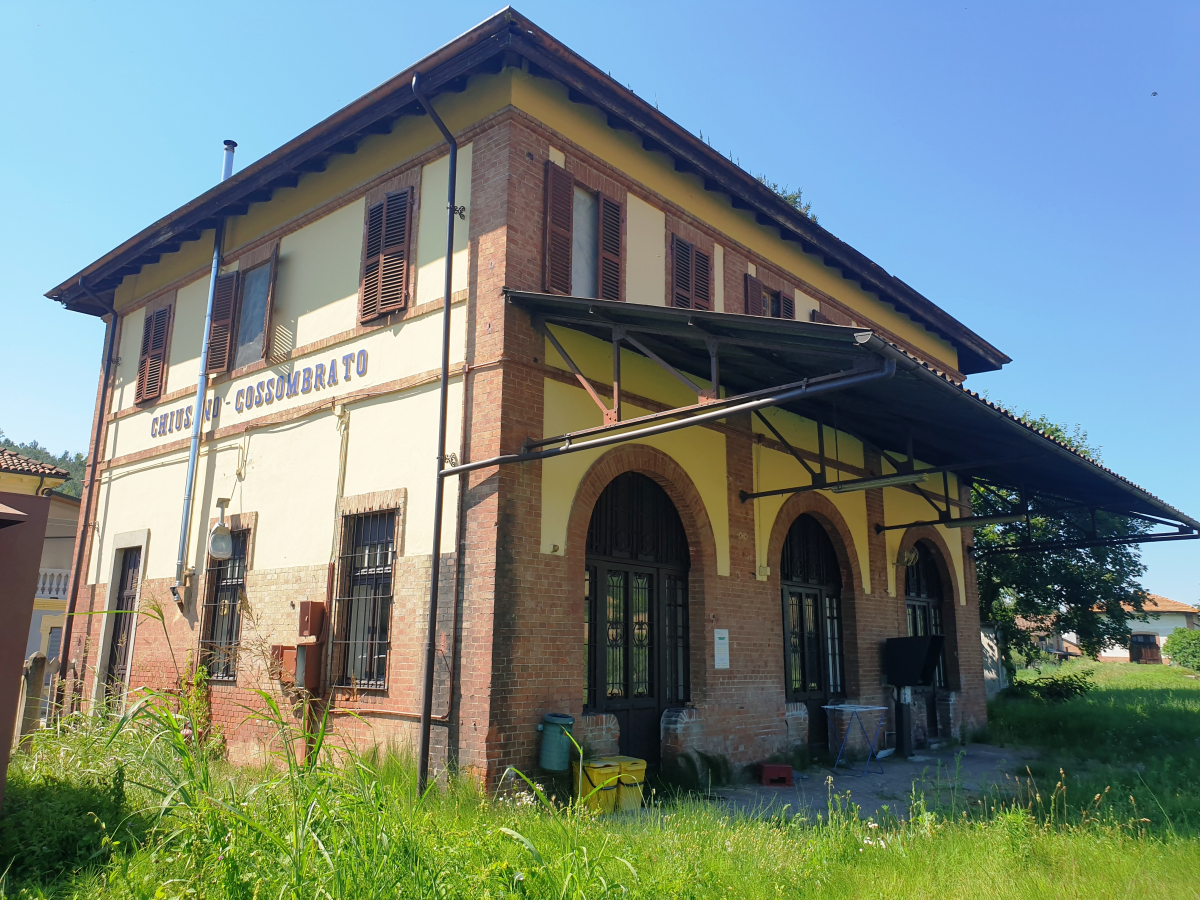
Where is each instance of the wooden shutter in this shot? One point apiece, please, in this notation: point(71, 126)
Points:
point(385, 256)
point(701, 280)
point(754, 296)
point(787, 302)
point(153, 360)
point(560, 209)
point(609, 256)
point(220, 330)
point(681, 272)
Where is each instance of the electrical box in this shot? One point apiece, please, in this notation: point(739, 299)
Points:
point(912, 661)
point(298, 666)
point(312, 618)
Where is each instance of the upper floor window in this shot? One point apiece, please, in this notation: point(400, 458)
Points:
point(152, 362)
point(691, 275)
point(241, 313)
point(386, 256)
point(583, 239)
point(761, 301)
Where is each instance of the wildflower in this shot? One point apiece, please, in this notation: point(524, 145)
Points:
point(729, 846)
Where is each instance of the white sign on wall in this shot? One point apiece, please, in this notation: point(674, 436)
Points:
point(721, 648)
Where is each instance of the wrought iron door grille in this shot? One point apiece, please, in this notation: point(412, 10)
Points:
point(364, 602)
point(222, 611)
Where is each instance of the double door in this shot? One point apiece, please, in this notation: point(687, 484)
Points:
point(813, 668)
point(637, 639)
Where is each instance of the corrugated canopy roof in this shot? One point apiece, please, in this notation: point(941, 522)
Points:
point(949, 425)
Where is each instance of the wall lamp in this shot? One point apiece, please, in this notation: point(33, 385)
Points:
point(863, 484)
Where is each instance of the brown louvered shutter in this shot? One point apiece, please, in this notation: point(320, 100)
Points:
point(701, 280)
point(153, 360)
point(754, 296)
point(393, 275)
point(560, 208)
point(220, 331)
point(681, 272)
point(787, 302)
point(368, 295)
point(610, 249)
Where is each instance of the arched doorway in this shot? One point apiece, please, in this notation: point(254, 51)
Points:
point(811, 581)
point(636, 611)
point(923, 594)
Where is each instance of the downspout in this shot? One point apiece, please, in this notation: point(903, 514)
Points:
point(435, 563)
point(84, 535)
point(201, 388)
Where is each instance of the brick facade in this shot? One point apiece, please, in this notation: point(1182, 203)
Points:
point(510, 643)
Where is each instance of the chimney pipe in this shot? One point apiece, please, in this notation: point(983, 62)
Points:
point(201, 390)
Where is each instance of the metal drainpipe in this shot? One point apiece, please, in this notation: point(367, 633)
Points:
point(201, 387)
point(85, 536)
point(435, 564)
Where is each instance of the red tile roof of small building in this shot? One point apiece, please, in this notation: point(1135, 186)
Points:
point(23, 465)
point(1157, 604)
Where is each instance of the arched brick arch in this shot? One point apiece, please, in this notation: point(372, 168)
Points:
point(702, 545)
point(823, 510)
point(951, 598)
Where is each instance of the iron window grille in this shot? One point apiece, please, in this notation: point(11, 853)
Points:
point(222, 611)
point(364, 603)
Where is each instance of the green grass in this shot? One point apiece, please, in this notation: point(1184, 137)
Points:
point(137, 809)
point(1136, 735)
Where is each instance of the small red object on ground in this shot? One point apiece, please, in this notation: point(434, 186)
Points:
point(778, 774)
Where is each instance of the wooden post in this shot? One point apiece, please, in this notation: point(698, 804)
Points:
point(35, 676)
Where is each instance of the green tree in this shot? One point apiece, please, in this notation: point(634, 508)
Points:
point(72, 462)
point(1093, 591)
point(794, 199)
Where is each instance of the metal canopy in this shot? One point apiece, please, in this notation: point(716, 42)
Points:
point(917, 413)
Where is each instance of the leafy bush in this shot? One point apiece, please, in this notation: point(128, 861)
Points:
point(1183, 647)
point(1054, 688)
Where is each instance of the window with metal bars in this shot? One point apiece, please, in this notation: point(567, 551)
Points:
point(222, 611)
point(364, 602)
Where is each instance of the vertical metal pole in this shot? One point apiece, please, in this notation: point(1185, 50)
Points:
point(201, 388)
point(435, 564)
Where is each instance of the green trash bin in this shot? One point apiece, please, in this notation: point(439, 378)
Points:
point(556, 746)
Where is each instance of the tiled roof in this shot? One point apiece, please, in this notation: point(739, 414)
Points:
point(1157, 604)
point(23, 465)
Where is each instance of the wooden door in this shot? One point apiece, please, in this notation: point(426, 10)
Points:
point(122, 626)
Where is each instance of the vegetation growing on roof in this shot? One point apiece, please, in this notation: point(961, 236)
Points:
point(794, 199)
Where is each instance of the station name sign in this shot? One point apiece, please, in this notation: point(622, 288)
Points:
point(317, 377)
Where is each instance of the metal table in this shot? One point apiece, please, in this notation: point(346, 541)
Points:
point(855, 712)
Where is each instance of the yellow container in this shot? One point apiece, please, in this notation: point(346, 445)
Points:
point(633, 776)
point(601, 774)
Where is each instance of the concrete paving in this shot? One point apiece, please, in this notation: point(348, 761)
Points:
point(961, 773)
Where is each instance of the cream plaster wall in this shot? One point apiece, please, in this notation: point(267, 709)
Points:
point(699, 451)
point(645, 253)
point(401, 350)
point(431, 227)
point(187, 336)
point(316, 288)
point(393, 443)
point(122, 506)
point(129, 349)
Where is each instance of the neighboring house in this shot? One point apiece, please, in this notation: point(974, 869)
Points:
point(614, 280)
point(24, 508)
point(1163, 616)
point(54, 579)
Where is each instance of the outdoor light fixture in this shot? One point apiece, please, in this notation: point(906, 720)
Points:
point(863, 484)
point(220, 543)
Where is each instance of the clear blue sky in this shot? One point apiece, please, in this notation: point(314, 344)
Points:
point(1010, 161)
